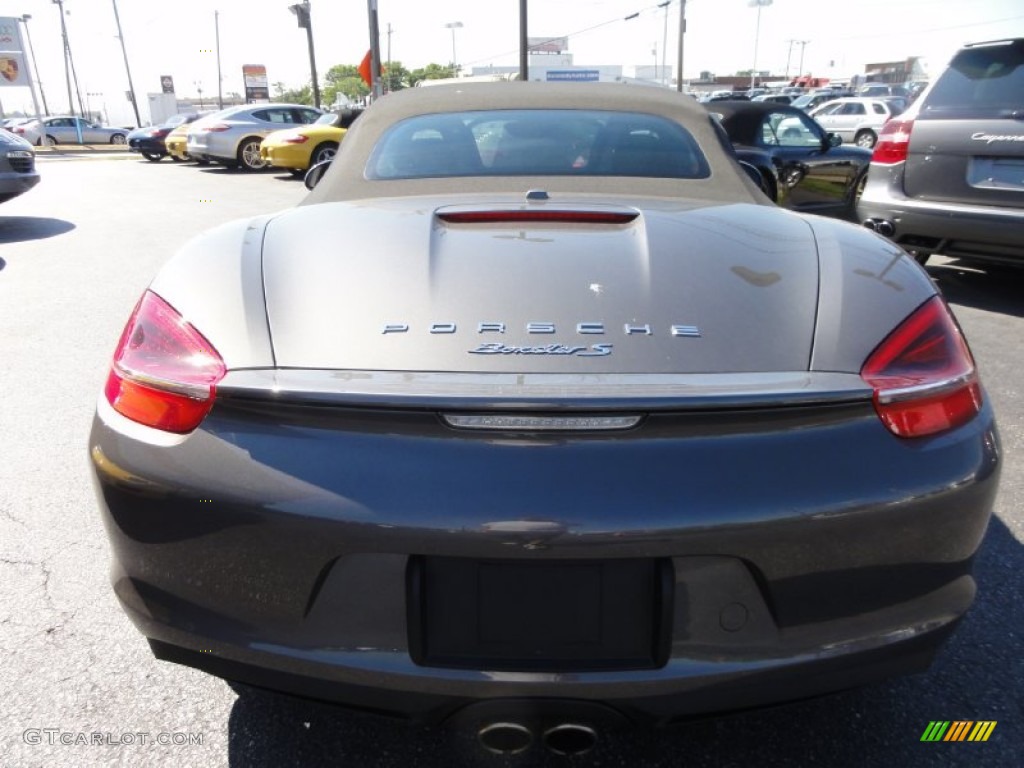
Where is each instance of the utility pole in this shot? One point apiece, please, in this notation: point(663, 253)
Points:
point(388, 88)
point(127, 69)
point(664, 42)
point(682, 34)
point(524, 44)
point(789, 56)
point(803, 44)
point(67, 54)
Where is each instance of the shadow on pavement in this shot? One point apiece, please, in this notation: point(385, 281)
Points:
point(992, 288)
point(17, 229)
point(978, 675)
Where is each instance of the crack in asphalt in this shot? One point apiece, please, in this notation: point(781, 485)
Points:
point(64, 616)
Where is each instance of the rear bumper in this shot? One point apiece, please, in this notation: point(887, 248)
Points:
point(687, 689)
point(151, 146)
point(983, 232)
point(273, 547)
point(292, 157)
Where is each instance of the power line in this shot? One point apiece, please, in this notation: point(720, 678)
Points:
point(578, 32)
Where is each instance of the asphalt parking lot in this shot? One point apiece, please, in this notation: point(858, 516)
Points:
point(76, 252)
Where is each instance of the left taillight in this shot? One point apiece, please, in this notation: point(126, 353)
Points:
point(923, 375)
point(164, 373)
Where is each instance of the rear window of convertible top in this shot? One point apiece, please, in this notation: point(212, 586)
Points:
point(548, 142)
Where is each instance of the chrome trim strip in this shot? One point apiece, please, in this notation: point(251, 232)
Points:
point(888, 396)
point(621, 392)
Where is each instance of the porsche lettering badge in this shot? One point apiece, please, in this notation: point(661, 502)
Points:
point(545, 328)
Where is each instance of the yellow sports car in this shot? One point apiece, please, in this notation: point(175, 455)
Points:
point(298, 149)
point(176, 140)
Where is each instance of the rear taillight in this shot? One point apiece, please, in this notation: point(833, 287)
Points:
point(158, 132)
point(164, 373)
point(893, 142)
point(923, 375)
point(295, 138)
point(217, 127)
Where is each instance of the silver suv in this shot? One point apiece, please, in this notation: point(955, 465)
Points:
point(947, 175)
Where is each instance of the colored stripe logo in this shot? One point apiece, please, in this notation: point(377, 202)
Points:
point(958, 730)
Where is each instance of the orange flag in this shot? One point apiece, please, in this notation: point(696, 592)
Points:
point(364, 70)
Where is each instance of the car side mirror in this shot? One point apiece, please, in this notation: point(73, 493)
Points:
point(314, 174)
point(757, 177)
point(834, 139)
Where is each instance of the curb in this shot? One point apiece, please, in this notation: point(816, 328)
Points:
point(75, 149)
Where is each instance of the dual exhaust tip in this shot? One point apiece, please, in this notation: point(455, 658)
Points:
point(567, 739)
point(881, 226)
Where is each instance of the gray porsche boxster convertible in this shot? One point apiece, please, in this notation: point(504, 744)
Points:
point(537, 412)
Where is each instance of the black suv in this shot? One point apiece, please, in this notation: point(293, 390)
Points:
point(947, 175)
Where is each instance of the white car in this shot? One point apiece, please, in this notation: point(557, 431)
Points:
point(855, 119)
point(232, 136)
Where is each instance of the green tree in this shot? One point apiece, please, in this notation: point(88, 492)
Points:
point(303, 95)
point(431, 72)
point(343, 79)
point(396, 77)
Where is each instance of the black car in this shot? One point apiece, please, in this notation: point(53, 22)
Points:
point(149, 141)
point(803, 167)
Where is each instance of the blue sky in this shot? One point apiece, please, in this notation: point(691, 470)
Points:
point(177, 37)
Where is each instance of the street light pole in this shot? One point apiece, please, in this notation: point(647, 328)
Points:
point(453, 25)
point(757, 34)
point(35, 64)
point(304, 14)
point(127, 69)
point(682, 34)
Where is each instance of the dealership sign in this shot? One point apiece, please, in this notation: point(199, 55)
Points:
point(256, 88)
point(13, 66)
point(573, 75)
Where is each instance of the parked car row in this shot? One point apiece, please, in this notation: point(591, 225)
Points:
point(252, 137)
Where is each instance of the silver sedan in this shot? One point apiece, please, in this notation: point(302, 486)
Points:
point(71, 130)
point(232, 137)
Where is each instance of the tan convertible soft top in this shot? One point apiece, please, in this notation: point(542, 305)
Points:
point(346, 179)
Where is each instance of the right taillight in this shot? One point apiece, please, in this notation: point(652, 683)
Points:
point(893, 142)
point(923, 375)
point(165, 372)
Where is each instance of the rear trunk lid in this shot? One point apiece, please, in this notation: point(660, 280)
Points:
point(663, 287)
